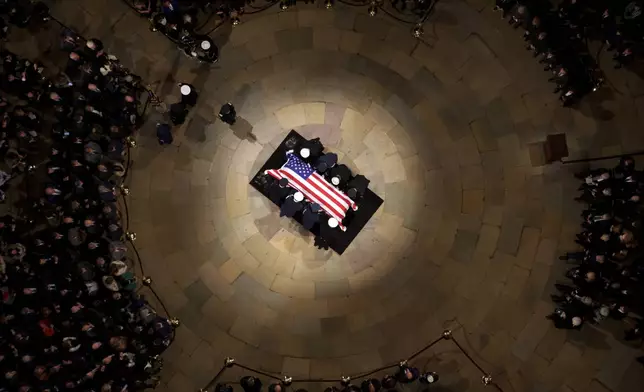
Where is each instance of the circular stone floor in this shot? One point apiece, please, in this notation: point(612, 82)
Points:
point(466, 238)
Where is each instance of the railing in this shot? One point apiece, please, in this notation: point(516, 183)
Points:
point(130, 236)
point(413, 13)
point(346, 380)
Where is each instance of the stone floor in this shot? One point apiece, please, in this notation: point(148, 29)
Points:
point(471, 224)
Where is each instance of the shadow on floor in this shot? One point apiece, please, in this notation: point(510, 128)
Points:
point(243, 130)
point(222, 35)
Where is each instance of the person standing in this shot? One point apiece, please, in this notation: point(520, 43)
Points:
point(164, 134)
point(228, 114)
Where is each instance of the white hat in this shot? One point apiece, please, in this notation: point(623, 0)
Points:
point(335, 180)
point(205, 45)
point(185, 89)
point(298, 196)
point(305, 153)
point(333, 222)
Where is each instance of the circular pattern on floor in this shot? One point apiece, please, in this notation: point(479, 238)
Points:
point(467, 233)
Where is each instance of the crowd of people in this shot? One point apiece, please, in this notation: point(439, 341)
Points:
point(606, 277)
point(557, 37)
point(22, 13)
point(180, 20)
point(70, 315)
point(621, 28)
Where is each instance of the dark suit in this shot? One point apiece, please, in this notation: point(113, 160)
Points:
point(178, 113)
point(330, 159)
point(309, 218)
point(290, 207)
point(190, 99)
point(360, 184)
point(326, 232)
point(277, 193)
point(251, 384)
point(321, 243)
point(341, 171)
point(164, 134)
point(228, 114)
point(315, 147)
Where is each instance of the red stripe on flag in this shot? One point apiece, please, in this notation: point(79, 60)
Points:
point(323, 188)
point(341, 194)
point(344, 198)
point(303, 186)
point(281, 173)
point(330, 189)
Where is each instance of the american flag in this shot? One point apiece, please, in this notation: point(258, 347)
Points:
point(315, 188)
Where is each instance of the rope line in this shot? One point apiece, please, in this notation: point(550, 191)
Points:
point(447, 335)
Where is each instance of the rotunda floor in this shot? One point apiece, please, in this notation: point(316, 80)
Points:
point(447, 130)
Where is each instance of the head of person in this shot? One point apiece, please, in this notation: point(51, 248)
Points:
point(77, 307)
point(627, 162)
point(223, 388)
point(576, 321)
point(388, 382)
point(118, 343)
point(92, 44)
point(626, 236)
point(430, 377)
